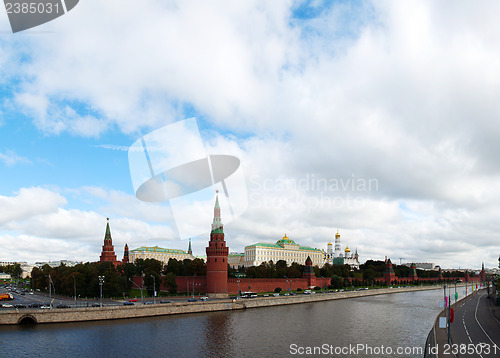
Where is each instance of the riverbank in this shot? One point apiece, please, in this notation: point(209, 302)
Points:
point(137, 311)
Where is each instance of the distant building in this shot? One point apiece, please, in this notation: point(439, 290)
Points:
point(24, 266)
point(57, 263)
point(424, 266)
point(158, 253)
point(338, 257)
point(236, 260)
point(4, 276)
point(284, 249)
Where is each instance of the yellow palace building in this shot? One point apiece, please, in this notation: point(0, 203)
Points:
point(284, 249)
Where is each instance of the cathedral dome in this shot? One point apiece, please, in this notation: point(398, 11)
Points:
point(347, 249)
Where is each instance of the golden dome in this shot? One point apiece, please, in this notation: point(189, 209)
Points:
point(285, 238)
point(347, 249)
point(329, 244)
point(337, 235)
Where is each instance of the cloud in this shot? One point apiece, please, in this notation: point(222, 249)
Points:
point(10, 158)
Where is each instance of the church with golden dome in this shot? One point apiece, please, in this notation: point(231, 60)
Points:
point(337, 257)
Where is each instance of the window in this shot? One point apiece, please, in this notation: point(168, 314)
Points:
point(215, 260)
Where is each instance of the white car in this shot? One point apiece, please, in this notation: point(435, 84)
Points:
point(205, 298)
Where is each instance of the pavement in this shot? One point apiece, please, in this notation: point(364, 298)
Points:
point(475, 331)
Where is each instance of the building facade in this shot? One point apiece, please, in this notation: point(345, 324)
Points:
point(158, 253)
point(236, 260)
point(284, 249)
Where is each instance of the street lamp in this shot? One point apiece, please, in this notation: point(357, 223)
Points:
point(154, 289)
point(101, 282)
point(238, 281)
point(74, 286)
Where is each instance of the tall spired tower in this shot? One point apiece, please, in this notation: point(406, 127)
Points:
point(217, 252)
point(338, 248)
point(108, 251)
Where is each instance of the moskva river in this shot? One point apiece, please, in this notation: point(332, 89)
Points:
point(394, 325)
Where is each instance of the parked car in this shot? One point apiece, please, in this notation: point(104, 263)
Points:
point(46, 306)
point(133, 300)
point(62, 306)
point(192, 300)
point(204, 298)
point(128, 303)
point(164, 301)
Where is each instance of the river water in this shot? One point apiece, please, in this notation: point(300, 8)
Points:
point(393, 325)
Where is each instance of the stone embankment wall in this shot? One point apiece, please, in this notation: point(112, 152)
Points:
point(122, 312)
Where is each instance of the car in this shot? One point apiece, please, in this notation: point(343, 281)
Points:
point(19, 305)
point(62, 306)
point(7, 305)
point(307, 292)
point(133, 300)
point(266, 295)
point(164, 301)
point(128, 303)
point(204, 298)
point(46, 306)
point(148, 302)
point(192, 300)
point(96, 305)
point(276, 294)
point(34, 305)
point(30, 293)
point(293, 294)
point(286, 294)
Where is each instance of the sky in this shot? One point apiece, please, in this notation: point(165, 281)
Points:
point(378, 119)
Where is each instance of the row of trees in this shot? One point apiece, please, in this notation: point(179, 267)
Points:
point(84, 278)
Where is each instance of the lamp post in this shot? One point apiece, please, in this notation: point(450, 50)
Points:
point(74, 287)
point(101, 282)
point(50, 289)
point(238, 281)
point(154, 289)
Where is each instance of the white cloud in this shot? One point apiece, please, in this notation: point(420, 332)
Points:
point(10, 158)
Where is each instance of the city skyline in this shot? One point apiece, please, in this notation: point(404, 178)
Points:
point(374, 118)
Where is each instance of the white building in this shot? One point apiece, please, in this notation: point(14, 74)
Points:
point(339, 257)
point(159, 253)
point(284, 249)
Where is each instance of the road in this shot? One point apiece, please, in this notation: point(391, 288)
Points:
point(475, 332)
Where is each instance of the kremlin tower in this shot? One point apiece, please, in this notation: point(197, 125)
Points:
point(217, 253)
point(389, 274)
point(108, 252)
point(125, 255)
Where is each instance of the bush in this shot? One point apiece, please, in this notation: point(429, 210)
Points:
point(317, 288)
point(278, 290)
point(299, 289)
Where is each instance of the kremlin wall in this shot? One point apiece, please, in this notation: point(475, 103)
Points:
point(217, 284)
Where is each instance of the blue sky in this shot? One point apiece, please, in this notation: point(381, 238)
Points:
point(404, 94)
